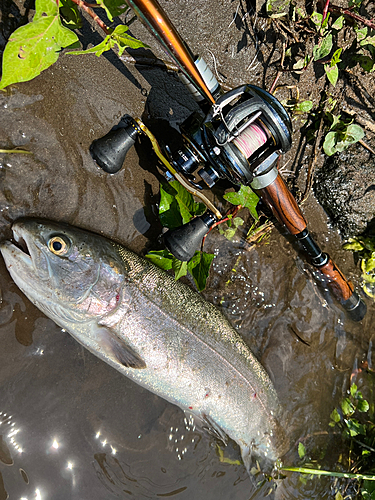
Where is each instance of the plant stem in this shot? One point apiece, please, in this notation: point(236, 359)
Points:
point(346, 12)
point(86, 7)
point(318, 472)
point(325, 12)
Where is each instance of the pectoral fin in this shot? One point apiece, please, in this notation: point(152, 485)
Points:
point(117, 349)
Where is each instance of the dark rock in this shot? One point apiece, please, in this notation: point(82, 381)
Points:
point(345, 187)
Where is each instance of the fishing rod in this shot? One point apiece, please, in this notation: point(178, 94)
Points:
point(239, 136)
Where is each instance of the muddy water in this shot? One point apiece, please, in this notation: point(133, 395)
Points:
point(72, 427)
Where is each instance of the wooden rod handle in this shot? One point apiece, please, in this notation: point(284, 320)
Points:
point(335, 281)
point(283, 205)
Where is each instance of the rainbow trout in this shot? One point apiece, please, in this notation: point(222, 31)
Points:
point(154, 330)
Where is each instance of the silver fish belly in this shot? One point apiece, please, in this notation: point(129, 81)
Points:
point(154, 330)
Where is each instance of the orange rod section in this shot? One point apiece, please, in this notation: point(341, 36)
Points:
point(335, 281)
point(152, 14)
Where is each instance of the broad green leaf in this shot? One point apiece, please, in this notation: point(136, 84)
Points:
point(355, 427)
point(188, 207)
point(301, 450)
point(169, 212)
point(347, 407)
point(161, 258)
point(338, 24)
point(332, 73)
point(179, 267)
point(113, 8)
point(71, 15)
point(34, 47)
point(199, 268)
point(354, 133)
point(324, 48)
point(245, 197)
point(335, 416)
point(363, 406)
point(329, 143)
point(338, 496)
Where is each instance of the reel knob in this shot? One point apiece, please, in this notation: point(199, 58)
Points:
point(110, 151)
point(185, 240)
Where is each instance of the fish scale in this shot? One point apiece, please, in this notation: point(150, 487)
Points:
point(153, 329)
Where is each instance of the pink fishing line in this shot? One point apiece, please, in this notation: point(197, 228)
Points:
point(251, 139)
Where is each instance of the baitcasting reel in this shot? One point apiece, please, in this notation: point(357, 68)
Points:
point(239, 139)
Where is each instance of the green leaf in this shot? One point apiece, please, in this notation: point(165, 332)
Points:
point(34, 47)
point(317, 18)
point(363, 406)
point(361, 33)
point(332, 73)
point(179, 267)
point(245, 197)
point(370, 40)
point(353, 390)
point(199, 268)
point(336, 57)
point(277, 8)
point(329, 143)
point(304, 106)
point(338, 24)
point(355, 427)
point(324, 48)
point(370, 264)
point(347, 407)
point(354, 133)
point(301, 450)
point(113, 8)
point(354, 246)
point(335, 416)
point(177, 205)
point(117, 37)
point(71, 15)
point(161, 258)
point(231, 231)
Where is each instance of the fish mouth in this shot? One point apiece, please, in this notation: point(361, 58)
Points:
point(21, 254)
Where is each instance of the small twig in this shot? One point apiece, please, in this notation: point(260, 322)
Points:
point(370, 125)
point(285, 28)
point(83, 5)
point(279, 71)
point(366, 146)
point(311, 167)
point(353, 15)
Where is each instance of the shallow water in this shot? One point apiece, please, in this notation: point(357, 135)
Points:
point(71, 426)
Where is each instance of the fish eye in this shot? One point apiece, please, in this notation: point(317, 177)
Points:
point(58, 245)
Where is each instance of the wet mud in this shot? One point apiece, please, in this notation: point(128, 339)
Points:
point(71, 426)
